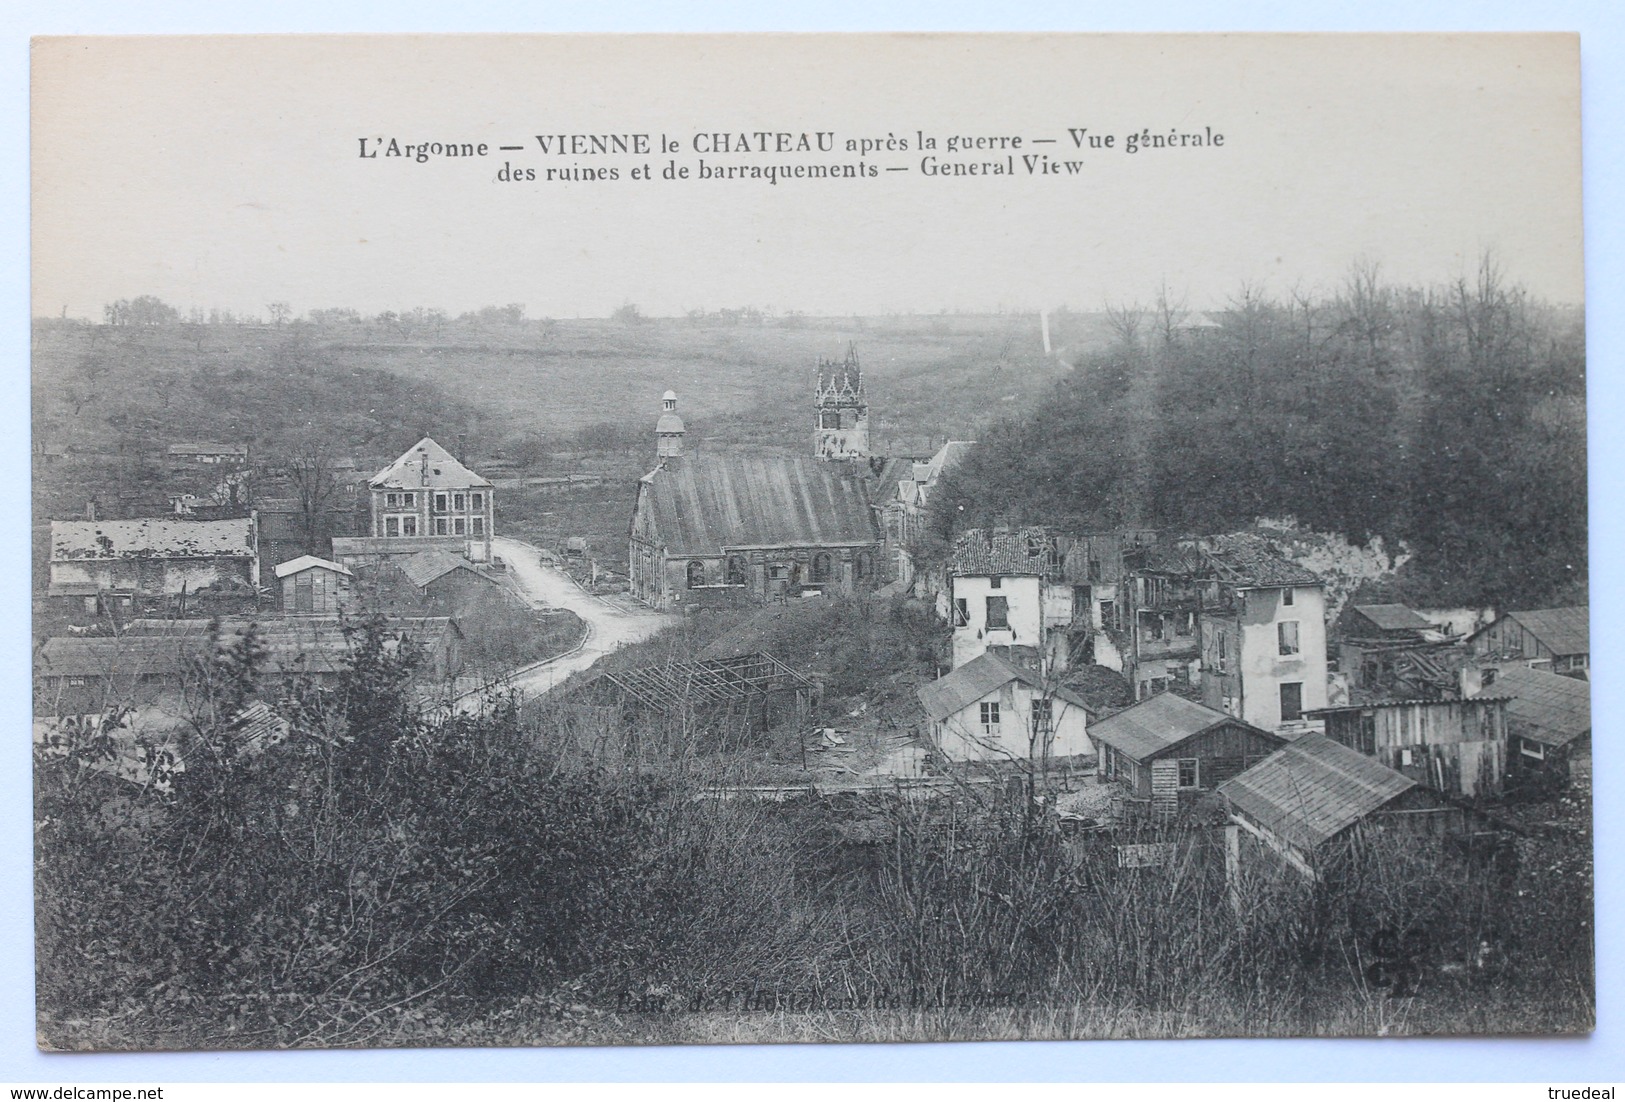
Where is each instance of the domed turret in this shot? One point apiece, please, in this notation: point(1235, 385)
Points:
point(669, 429)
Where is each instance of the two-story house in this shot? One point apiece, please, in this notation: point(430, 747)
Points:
point(425, 500)
point(1042, 598)
point(1264, 640)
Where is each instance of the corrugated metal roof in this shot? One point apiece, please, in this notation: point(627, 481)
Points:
point(1393, 617)
point(1312, 789)
point(702, 505)
point(1562, 631)
point(309, 562)
point(150, 538)
point(1155, 724)
point(163, 647)
point(426, 566)
point(1545, 707)
point(434, 469)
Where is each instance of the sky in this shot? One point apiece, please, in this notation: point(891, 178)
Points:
point(227, 173)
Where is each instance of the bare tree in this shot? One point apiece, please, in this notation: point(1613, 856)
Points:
point(1126, 321)
point(1167, 313)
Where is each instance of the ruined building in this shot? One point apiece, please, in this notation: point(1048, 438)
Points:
point(841, 409)
point(729, 529)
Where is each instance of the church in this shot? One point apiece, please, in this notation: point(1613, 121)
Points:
point(732, 530)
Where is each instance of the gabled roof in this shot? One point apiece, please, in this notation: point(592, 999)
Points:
point(427, 466)
point(1393, 617)
point(1159, 722)
point(1312, 789)
point(1249, 561)
point(965, 685)
point(310, 562)
point(151, 538)
point(701, 505)
point(1562, 631)
point(427, 566)
point(1545, 707)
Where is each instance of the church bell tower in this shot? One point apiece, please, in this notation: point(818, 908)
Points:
point(841, 409)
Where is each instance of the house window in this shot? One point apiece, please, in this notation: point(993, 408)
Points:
point(457, 526)
point(1105, 613)
point(1219, 652)
point(863, 565)
point(392, 526)
point(1286, 595)
point(409, 526)
point(391, 501)
point(736, 570)
point(1286, 635)
point(76, 682)
point(990, 717)
point(1182, 675)
point(440, 503)
point(1189, 773)
point(1489, 677)
point(961, 612)
point(1184, 623)
point(998, 614)
point(409, 500)
point(440, 526)
point(1291, 701)
point(1094, 570)
point(1158, 685)
point(479, 525)
point(457, 503)
point(1043, 715)
point(1530, 749)
point(477, 501)
point(995, 582)
point(820, 567)
point(696, 574)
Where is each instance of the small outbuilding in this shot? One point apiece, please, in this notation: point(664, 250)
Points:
point(1458, 747)
point(313, 587)
point(1308, 803)
point(990, 710)
point(1167, 745)
point(1548, 727)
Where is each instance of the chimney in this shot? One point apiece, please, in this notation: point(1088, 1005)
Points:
point(90, 509)
point(462, 448)
point(423, 465)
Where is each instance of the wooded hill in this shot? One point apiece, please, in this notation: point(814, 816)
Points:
point(1450, 418)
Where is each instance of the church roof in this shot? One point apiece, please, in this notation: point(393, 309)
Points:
point(669, 422)
point(427, 466)
point(703, 505)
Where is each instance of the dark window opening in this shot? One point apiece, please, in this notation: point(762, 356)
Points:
point(998, 613)
point(696, 574)
point(1291, 701)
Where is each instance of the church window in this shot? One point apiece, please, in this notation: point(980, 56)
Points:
point(696, 574)
point(736, 570)
point(821, 567)
point(863, 565)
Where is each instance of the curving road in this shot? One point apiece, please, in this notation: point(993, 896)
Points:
point(610, 624)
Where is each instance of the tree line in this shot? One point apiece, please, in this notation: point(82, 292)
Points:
point(1448, 418)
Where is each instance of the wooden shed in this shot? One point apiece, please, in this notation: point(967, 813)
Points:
point(1168, 745)
point(1457, 747)
point(313, 587)
point(1548, 728)
point(1306, 804)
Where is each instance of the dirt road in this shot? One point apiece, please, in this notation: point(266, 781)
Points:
point(610, 624)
